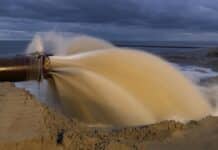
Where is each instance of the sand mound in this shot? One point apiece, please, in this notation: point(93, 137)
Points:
point(27, 124)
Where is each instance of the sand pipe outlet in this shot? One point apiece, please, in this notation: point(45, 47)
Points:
point(24, 67)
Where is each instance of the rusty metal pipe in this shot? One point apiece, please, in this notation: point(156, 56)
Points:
point(23, 68)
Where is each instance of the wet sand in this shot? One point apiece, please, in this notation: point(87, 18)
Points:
point(25, 123)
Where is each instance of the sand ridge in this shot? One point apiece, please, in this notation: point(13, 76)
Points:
point(25, 123)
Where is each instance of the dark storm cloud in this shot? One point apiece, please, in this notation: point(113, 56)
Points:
point(112, 19)
point(95, 11)
point(179, 14)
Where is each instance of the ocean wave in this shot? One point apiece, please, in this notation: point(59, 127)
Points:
point(196, 73)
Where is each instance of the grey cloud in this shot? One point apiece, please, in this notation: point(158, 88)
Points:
point(26, 28)
point(138, 19)
point(189, 14)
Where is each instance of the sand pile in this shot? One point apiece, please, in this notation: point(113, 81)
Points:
point(27, 124)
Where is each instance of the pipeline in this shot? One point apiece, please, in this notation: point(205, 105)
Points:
point(24, 67)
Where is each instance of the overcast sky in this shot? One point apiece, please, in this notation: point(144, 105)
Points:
point(112, 19)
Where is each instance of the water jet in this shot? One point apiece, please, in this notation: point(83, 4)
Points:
point(99, 84)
